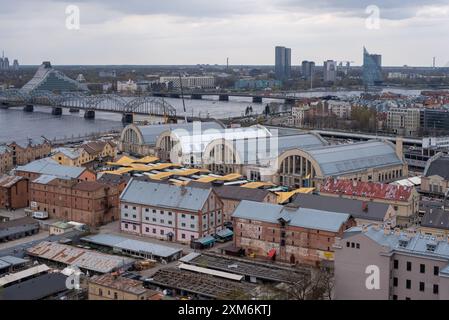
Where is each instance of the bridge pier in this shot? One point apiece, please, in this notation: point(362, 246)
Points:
point(223, 97)
point(74, 110)
point(290, 101)
point(28, 108)
point(128, 118)
point(196, 96)
point(56, 111)
point(257, 99)
point(89, 114)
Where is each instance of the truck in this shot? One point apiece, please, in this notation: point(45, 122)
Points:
point(41, 215)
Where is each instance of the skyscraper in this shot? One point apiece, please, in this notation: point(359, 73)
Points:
point(283, 63)
point(330, 71)
point(307, 69)
point(372, 69)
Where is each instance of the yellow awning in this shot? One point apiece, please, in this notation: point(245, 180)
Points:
point(140, 167)
point(230, 177)
point(257, 184)
point(123, 161)
point(187, 172)
point(179, 183)
point(147, 159)
point(207, 179)
point(119, 171)
point(161, 175)
point(283, 197)
point(161, 166)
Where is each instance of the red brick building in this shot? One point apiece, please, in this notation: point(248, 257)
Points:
point(13, 192)
point(294, 235)
point(88, 202)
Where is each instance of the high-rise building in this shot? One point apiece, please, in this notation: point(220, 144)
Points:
point(330, 71)
point(15, 64)
point(307, 69)
point(372, 69)
point(283, 64)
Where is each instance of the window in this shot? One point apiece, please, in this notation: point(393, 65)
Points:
point(154, 219)
point(396, 264)
point(435, 289)
point(357, 245)
point(162, 232)
point(436, 270)
point(100, 292)
point(134, 216)
point(126, 226)
point(395, 297)
point(183, 215)
point(115, 295)
point(192, 217)
point(126, 215)
point(183, 236)
point(134, 208)
point(408, 284)
point(183, 224)
point(395, 282)
point(409, 266)
point(154, 211)
point(162, 221)
point(126, 206)
point(169, 213)
point(154, 230)
point(421, 286)
point(192, 226)
point(170, 222)
point(147, 229)
point(134, 227)
point(162, 211)
point(352, 245)
point(147, 210)
point(407, 298)
point(147, 218)
point(422, 268)
point(348, 244)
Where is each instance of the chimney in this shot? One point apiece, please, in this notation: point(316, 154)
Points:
point(399, 147)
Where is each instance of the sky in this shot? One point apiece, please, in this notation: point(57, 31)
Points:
point(164, 32)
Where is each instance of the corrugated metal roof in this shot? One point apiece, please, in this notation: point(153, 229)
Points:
point(165, 195)
point(344, 158)
point(13, 260)
point(133, 245)
point(52, 168)
point(150, 133)
point(299, 217)
point(416, 244)
point(82, 258)
point(23, 274)
point(216, 273)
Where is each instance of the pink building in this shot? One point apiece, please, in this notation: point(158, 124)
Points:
point(168, 212)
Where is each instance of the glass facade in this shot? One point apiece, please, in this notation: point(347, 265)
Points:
point(372, 69)
point(283, 63)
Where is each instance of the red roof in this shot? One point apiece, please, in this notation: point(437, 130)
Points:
point(370, 190)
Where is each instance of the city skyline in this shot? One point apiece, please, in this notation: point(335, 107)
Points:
point(207, 33)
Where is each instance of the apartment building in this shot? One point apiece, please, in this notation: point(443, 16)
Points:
point(372, 263)
point(85, 154)
point(13, 192)
point(48, 166)
point(404, 121)
point(169, 212)
point(6, 161)
point(403, 199)
point(294, 235)
point(87, 202)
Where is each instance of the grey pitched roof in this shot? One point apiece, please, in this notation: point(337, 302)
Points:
point(52, 168)
point(133, 245)
point(165, 195)
point(417, 244)
point(358, 209)
point(436, 218)
point(438, 166)
point(239, 193)
point(36, 288)
point(345, 158)
point(298, 217)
